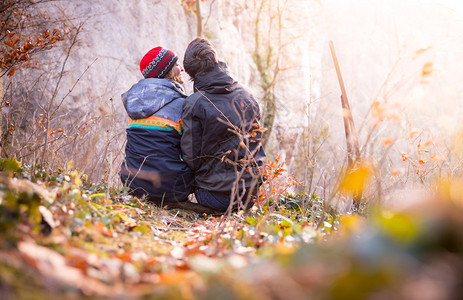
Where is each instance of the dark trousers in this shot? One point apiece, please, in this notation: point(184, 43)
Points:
point(221, 200)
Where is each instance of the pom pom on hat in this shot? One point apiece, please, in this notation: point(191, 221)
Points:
point(157, 62)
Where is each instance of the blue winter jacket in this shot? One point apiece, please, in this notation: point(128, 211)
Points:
point(153, 163)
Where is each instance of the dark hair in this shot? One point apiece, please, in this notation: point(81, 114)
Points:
point(200, 57)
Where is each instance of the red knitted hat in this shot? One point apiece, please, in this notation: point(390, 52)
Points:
point(157, 62)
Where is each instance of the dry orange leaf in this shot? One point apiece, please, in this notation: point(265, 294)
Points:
point(427, 69)
point(404, 157)
point(422, 50)
point(395, 173)
point(8, 43)
point(413, 133)
point(126, 256)
point(388, 141)
point(437, 157)
point(104, 230)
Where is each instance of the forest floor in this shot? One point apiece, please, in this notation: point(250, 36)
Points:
point(62, 237)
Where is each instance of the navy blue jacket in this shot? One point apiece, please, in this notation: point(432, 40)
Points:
point(153, 163)
point(221, 137)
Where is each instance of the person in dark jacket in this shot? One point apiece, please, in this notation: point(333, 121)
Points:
point(153, 163)
point(221, 137)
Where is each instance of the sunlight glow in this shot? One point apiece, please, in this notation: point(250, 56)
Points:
point(455, 5)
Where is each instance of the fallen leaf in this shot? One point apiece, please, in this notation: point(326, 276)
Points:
point(104, 230)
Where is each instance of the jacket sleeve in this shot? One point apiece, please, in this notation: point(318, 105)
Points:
point(192, 129)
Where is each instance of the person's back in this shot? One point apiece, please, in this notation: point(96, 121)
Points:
point(221, 132)
point(153, 163)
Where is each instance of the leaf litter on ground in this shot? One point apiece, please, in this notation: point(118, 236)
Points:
point(79, 240)
point(112, 244)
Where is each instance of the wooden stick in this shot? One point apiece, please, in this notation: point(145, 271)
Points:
point(353, 151)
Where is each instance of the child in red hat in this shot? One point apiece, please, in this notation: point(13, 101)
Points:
point(153, 165)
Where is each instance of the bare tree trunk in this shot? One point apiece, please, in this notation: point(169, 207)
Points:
point(269, 116)
point(309, 170)
point(268, 72)
point(1, 99)
point(1, 117)
point(199, 18)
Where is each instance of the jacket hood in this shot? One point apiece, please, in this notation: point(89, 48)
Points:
point(150, 95)
point(217, 81)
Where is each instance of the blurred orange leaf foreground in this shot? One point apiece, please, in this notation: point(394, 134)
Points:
point(355, 179)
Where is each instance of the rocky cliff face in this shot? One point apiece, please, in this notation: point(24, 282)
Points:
point(377, 44)
point(116, 35)
point(104, 62)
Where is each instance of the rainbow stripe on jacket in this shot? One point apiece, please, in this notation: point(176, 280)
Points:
point(156, 123)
